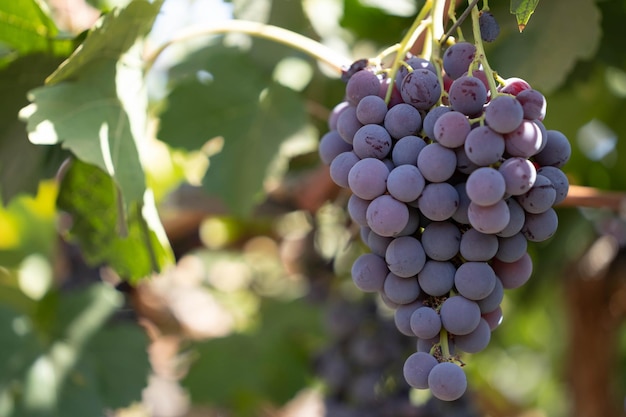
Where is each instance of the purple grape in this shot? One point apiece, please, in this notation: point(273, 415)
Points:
point(406, 150)
point(348, 124)
point(525, 141)
point(540, 227)
point(402, 120)
point(463, 164)
point(504, 114)
point(413, 224)
point(402, 317)
point(425, 323)
point(421, 89)
point(558, 179)
point(514, 274)
point(405, 183)
point(440, 240)
point(451, 129)
point(387, 216)
point(431, 118)
point(415, 62)
point(489, 28)
point(340, 167)
point(439, 201)
point(485, 186)
point(540, 197)
point(378, 244)
point(362, 83)
point(368, 178)
point(459, 315)
point(474, 280)
point(517, 218)
point(405, 256)
point(369, 272)
point(371, 109)
point(477, 340)
point(334, 114)
point(436, 277)
point(493, 318)
point(401, 290)
point(534, 104)
point(372, 141)
point(447, 381)
point(489, 219)
point(512, 248)
point(457, 59)
point(493, 300)
point(484, 146)
point(436, 162)
point(556, 152)
point(416, 369)
point(477, 246)
point(331, 145)
point(460, 215)
point(519, 175)
point(468, 95)
point(356, 209)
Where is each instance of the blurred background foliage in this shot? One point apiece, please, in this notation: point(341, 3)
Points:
point(242, 322)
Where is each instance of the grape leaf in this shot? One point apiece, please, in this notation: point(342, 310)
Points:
point(234, 100)
point(26, 28)
point(23, 164)
point(545, 53)
point(523, 9)
point(133, 246)
point(244, 371)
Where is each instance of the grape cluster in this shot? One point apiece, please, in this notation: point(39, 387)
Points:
point(450, 180)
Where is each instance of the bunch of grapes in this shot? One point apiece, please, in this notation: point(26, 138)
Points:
point(450, 180)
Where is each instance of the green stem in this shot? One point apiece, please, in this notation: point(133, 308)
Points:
point(443, 341)
point(260, 30)
point(480, 53)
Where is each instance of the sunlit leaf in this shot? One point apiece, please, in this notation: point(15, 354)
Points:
point(523, 9)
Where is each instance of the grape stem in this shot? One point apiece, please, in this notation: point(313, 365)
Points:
point(277, 34)
point(443, 341)
point(480, 53)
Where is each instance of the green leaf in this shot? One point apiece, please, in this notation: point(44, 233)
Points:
point(245, 371)
point(253, 114)
point(134, 246)
point(23, 164)
point(563, 33)
point(75, 363)
point(523, 9)
point(26, 28)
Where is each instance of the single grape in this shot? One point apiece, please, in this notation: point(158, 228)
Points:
point(416, 369)
point(357, 207)
point(334, 114)
point(436, 277)
point(371, 110)
point(369, 272)
point(415, 62)
point(378, 244)
point(368, 178)
point(362, 83)
point(556, 152)
point(340, 167)
point(405, 256)
point(558, 179)
point(517, 217)
point(474, 280)
point(484, 146)
point(331, 145)
point(525, 141)
point(402, 120)
point(431, 118)
point(514, 274)
point(489, 28)
point(519, 175)
point(468, 95)
point(493, 300)
point(425, 323)
point(457, 59)
point(405, 183)
point(402, 317)
point(485, 186)
point(387, 216)
point(534, 104)
point(489, 219)
point(439, 201)
point(401, 290)
point(459, 315)
point(372, 141)
point(504, 114)
point(412, 224)
point(475, 341)
point(512, 248)
point(348, 124)
point(451, 129)
point(493, 318)
point(540, 227)
point(463, 164)
point(406, 150)
point(540, 197)
point(421, 89)
point(477, 246)
point(436, 162)
point(514, 86)
point(447, 381)
point(460, 215)
point(440, 240)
